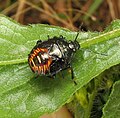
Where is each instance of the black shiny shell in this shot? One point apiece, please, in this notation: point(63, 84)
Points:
point(59, 50)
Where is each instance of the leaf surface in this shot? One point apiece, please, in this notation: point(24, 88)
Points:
point(112, 107)
point(22, 95)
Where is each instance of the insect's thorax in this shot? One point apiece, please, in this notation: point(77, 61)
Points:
point(61, 55)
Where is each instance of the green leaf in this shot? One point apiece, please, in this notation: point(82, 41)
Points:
point(112, 107)
point(22, 95)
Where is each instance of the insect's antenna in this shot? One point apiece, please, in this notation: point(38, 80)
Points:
point(77, 36)
point(78, 31)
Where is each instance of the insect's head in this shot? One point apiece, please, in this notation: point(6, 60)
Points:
point(74, 45)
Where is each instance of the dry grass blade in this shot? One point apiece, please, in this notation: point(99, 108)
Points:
point(54, 16)
point(8, 9)
point(114, 6)
point(19, 17)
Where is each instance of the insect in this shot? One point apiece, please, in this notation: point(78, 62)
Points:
point(52, 56)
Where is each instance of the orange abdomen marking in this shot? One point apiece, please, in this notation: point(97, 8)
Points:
point(39, 61)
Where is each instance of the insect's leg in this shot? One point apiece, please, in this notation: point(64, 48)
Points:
point(52, 76)
point(39, 41)
point(72, 75)
point(61, 36)
point(36, 76)
point(62, 74)
point(48, 37)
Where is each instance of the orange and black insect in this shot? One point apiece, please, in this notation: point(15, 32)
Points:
point(53, 55)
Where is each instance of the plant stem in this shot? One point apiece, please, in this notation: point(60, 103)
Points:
point(92, 97)
point(16, 61)
point(90, 105)
point(101, 38)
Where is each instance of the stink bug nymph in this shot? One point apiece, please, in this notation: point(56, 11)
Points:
point(52, 56)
